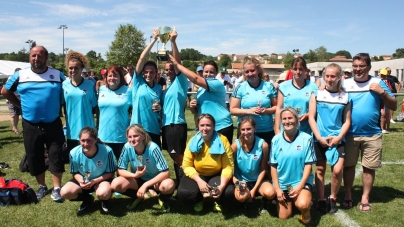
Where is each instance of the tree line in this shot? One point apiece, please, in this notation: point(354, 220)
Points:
point(129, 43)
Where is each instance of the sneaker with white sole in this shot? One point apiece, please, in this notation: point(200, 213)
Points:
point(385, 131)
point(42, 191)
point(56, 195)
point(305, 218)
point(392, 121)
point(87, 200)
point(105, 206)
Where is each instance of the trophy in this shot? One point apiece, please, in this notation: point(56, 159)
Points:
point(87, 176)
point(289, 187)
point(140, 159)
point(259, 103)
point(214, 189)
point(298, 111)
point(164, 35)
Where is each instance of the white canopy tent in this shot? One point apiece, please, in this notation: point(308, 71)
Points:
point(7, 68)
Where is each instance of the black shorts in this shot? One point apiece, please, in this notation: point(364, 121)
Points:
point(155, 138)
point(116, 148)
point(38, 135)
point(228, 133)
point(175, 138)
point(267, 136)
point(307, 187)
point(71, 144)
point(92, 189)
point(320, 150)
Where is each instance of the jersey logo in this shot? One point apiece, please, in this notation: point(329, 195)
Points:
point(66, 92)
point(102, 96)
point(280, 150)
point(147, 160)
point(298, 148)
point(173, 152)
point(84, 91)
point(247, 93)
point(51, 76)
point(120, 96)
point(99, 163)
point(239, 158)
point(255, 157)
point(307, 94)
point(263, 92)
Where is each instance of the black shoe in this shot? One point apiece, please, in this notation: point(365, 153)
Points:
point(332, 205)
point(105, 206)
point(87, 200)
point(322, 207)
point(264, 208)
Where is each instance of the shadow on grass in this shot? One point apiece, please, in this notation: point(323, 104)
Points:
point(12, 139)
point(117, 208)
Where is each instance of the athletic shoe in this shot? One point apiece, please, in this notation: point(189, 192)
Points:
point(392, 121)
point(42, 190)
point(264, 208)
point(117, 194)
point(87, 200)
point(164, 206)
point(322, 207)
point(104, 206)
point(217, 207)
point(56, 195)
point(332, 205)
point(305, 218)
point(198, 207)
point(385, 131)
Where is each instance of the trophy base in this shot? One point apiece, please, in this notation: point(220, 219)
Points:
point(162, 55)
point(140, 168)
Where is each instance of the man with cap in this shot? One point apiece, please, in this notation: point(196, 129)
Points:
point(40, 89)
point(226, 80)
point(394, 89)
point(347, 73)
point(85, 75)
point(385, 112)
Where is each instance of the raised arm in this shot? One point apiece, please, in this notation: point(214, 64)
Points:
point(174, 49)
point(145, 53)
point(192, 76)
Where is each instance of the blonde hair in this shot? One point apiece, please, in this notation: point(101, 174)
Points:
point(76, 57)
point(140, 130)
point(256, 63)
point(294, 113)
point(339, 74)
point(245, 119)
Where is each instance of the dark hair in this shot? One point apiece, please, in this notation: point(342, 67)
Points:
point(212, 63)
point(207, 116)
point(150, 63)
point(299, 60)
point(128, 65)
point(243, 120)
point(363, 57)
point(90, 131)
point(116, 69)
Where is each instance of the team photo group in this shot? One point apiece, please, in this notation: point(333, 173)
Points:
point(117, 128)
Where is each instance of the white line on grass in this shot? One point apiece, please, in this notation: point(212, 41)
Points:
point(392, 163)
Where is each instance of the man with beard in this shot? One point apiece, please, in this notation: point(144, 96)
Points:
point(364, 137)
point(40, 89)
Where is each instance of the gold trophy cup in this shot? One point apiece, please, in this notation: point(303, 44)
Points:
point(164, 35)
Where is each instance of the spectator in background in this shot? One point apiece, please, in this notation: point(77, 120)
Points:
point(385, 112)
point(233, 79)
point(347, 73)
point(240, 79)
point(15, 111)
point(102, 81)
point(92, 75)
point(225, 79)
point(265, 77)
point(281, 78)
point(162, 81)
point(129, 75)
point(395, 89)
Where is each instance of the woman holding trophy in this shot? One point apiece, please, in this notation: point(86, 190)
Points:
point(296, 93)
point(211, 96)
point(208, 166)
point(256, 98)
point(147, 94)
point(148, 169)
point(250, 164)
point(93, 166)
point(292, 156)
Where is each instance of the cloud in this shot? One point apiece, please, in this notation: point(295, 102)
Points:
point(69, 11)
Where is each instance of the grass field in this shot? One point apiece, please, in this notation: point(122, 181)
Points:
point(387, 199)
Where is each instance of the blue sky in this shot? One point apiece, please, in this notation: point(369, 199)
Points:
point(209, 26)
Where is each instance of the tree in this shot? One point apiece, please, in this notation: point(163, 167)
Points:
point(344, 53)
point(287, 61)
point(224, 61)
point(127, 46)
point(322, 54)
point(191, 65)
point(399, 53)
point(92, 54)
point(310, 56)
point(274, 61)
point(191, 54)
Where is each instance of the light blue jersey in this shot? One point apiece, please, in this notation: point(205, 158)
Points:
point(114, 113)
point(250, 97)
point(330, 112)
point(247, 165)
point(299, 99)
point(101, 163)
point(142, 101)
point(366, 106)
point(80, 102)
point(174, 98)
point(213, 101)
point(40, 94)
point(290, 158)
point(152, 158)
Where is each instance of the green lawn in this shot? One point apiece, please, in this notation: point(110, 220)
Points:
point(387, 198)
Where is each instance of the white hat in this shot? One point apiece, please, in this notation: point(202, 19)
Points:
point(348, 70)
point(282, 77)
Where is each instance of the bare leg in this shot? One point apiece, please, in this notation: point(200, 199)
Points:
point(368, 178)
point(57, 179)
point(336, 177)
point(349, 177)
point(319, 179)
point(14, 123)
point(41, 179)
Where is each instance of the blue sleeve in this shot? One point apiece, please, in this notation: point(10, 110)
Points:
point(160, 160)
point(111, 166)
point(272, 158)
point(129, 94)
point(62, 77)
point(124, 158)
point(237, 93)
point(310, 157)
point(94, 100)
point(271, 90)
point(215, 86)
point(12, 82)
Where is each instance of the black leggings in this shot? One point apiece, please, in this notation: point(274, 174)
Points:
point(228, 133)
point(189, 193)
